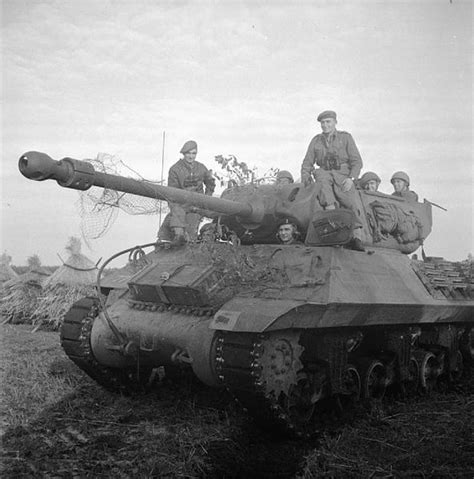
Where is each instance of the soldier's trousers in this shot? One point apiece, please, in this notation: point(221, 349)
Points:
point(178, 217)
point(331, 192)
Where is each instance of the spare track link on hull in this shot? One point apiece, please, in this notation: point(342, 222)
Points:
point(254, 370)
point(75, 340)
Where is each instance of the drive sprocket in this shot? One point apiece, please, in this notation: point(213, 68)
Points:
point(266, 374)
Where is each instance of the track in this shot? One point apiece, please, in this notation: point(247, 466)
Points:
point(265, 373)
point(75, 340)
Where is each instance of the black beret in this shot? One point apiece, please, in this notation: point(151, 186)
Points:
point(188, 146)
point(286, 221)
point(327, 114)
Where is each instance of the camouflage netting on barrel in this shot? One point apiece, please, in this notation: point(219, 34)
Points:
point(99, 207)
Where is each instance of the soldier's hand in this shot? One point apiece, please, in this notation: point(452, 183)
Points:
point(347, 184)
point(307, 180)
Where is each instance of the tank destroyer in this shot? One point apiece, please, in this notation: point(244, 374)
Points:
point(286, 329)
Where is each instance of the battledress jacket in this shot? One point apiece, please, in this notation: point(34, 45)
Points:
point(409, 195)
point(340, 147)
point(191, 176)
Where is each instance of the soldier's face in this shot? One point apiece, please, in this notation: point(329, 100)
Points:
point(328, 125)
point(399, 185)
point(208, 236)
point(284, 181)
point(371, 185)
point(190, 155)
point(285, 232)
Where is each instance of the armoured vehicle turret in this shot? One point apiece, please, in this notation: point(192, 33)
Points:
point(286, 329)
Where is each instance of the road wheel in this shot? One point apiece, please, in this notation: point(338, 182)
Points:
point(430, 370)
point(373, 378)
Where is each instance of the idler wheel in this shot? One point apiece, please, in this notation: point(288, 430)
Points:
point(430, 369)
point(373, 378)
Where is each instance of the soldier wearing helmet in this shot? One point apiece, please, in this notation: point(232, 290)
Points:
point(369, 181)
point(401, 184)
point(186, 174)
point(284, 177)
point(288, 233)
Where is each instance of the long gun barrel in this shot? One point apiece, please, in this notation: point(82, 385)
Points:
point(81, 175)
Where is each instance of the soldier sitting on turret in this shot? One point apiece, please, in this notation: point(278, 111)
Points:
point(369, 181)
point(186, 174)
point(288, 233)
point(339, 161)
point(401, 184)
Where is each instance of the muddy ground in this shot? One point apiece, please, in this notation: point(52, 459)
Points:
point(57, 423)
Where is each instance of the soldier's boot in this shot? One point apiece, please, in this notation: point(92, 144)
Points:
point(356, 242)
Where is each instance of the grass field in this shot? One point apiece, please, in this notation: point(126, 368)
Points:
point(58, 423)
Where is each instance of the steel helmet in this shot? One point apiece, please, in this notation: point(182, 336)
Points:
point(400, 175)
point(285, 174)
point(369, 176)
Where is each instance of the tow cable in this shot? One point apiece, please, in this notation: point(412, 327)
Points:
point(136, 255)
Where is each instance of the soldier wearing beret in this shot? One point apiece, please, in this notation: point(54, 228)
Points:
point(288, 233)
point(339, 161)
point(186, 174)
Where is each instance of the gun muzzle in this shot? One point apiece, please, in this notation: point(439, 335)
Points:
point(67, 172)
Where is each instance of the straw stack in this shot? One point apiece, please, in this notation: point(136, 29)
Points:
point(6, 271)
point(19, 295)
point(69, 283)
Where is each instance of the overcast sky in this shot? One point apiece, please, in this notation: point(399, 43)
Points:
point(242, 78)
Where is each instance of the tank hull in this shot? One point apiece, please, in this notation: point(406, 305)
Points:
point(376, 315)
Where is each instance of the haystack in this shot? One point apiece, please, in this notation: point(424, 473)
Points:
point(76, 270)
point(19, 294)
point(69, 283)
point(37, 275)
point(6, 271)
point(19, 298)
